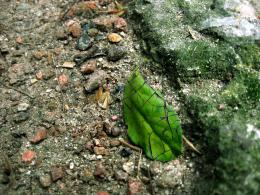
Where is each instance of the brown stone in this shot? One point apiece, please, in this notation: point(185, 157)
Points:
point(100, 171)
point(120, 24)
point(88, 67)
point(100, 150)
point(19, 40)
point(57, 173)
point(104, 23)
point(39, 75)
point(63, 80)
point(40, 54)
point(75, 29)
point(40, 135)
point(134, 186)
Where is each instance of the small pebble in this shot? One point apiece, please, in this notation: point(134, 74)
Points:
point(134, 186)
point(116, 131)
point(40, 54)
point(68, 64)
point(28, 156)
point(120, 24)
point(128, 167)
point(221, 107)
point(84, 42)
point(93, 82)
point(88, 67)
point(74, 28)
point(100, 171)
point(104, 23)
point(96, 142)
point(100, 150)
point(114, 118)
point(19, 40)
point(57, 173)
point(72, 165)
point(108, 127)
point(114, 37)
point(63, 80)
point(102, 193)
point(23, 107)
point(125, 152)
point(115, 53)
point(45, 180)
point(40, 135)
point(39, 75)
point(121, 175)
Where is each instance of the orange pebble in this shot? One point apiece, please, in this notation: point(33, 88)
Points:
point(28, 156)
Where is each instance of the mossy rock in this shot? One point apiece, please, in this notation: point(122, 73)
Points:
point(219, 81)
point(205, 60)
point(232, 133)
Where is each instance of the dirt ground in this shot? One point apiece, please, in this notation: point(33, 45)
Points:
point(55, 136)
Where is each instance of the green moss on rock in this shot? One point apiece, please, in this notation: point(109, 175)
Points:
point(232, 133)
point(205, 60)
point(250, 54)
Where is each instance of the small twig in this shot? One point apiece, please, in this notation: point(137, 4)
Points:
point(190, 144)
point(129, 145)
point(139, 164)
point(18, 90)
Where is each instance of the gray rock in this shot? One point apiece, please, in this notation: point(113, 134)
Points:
point(241, 22)
point(84, 42)
point(116, 131)
point(45, 180)
point(94, 79)
point(115, 53)
point(23, 106)
point(121, 175)
point(20, 117)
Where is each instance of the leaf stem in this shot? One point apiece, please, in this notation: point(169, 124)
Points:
point(190, 144)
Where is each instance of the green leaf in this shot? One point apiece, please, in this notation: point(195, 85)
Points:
point(152, 123)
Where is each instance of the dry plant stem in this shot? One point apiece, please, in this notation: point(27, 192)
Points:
point(129, 145)
point(186, 141)
point(139, 164)
point(22, 92)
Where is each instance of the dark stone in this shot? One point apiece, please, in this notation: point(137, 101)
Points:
point(57, 173)
point(84, 42)
point(20, 117)
point(126, 152)
point(115, 53)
